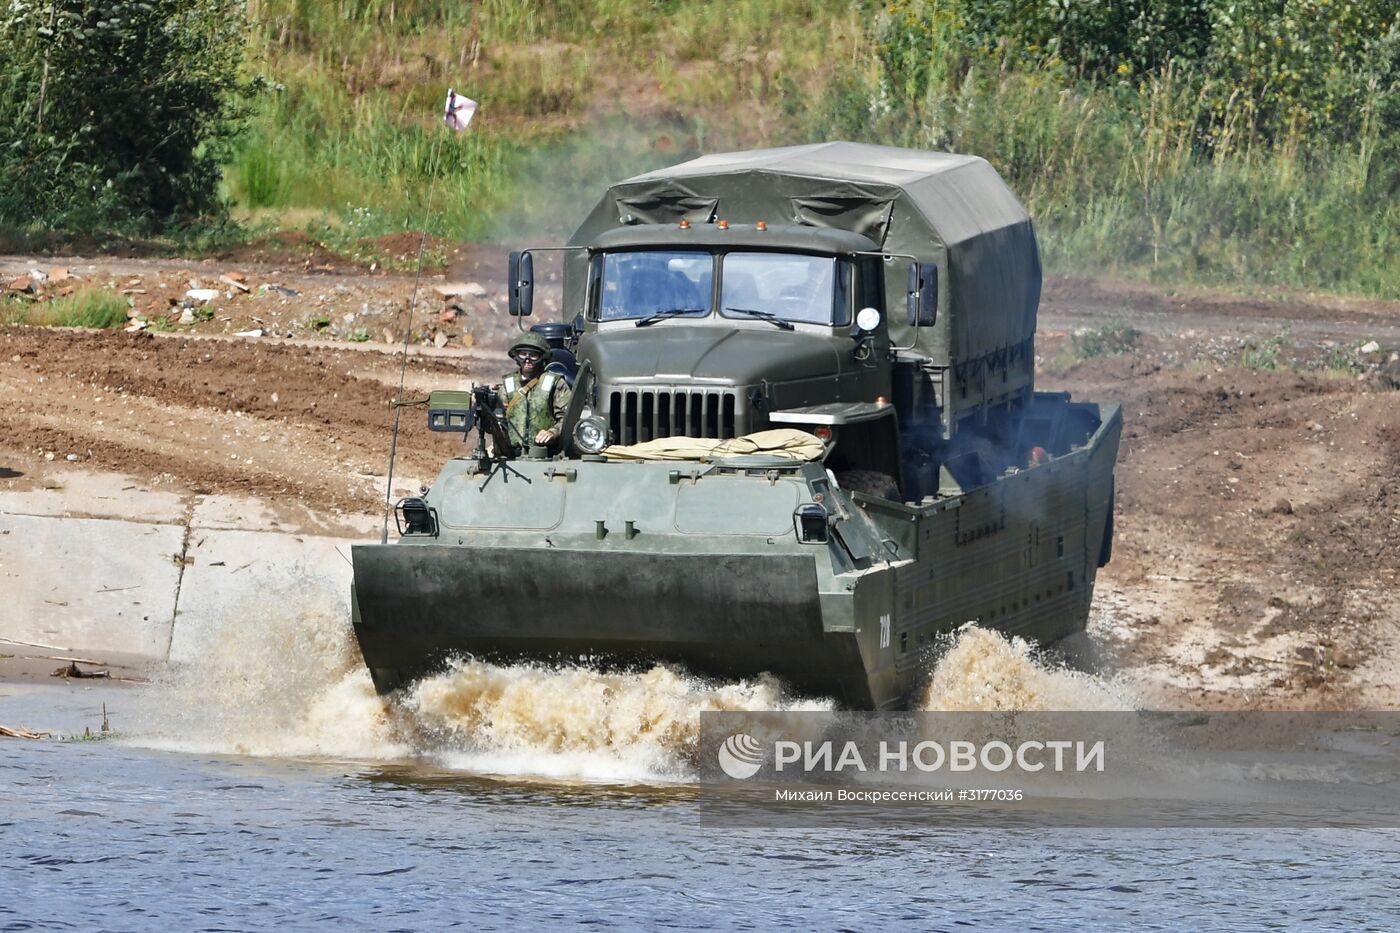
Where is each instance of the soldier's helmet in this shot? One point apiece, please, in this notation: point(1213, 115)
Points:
point(531, 341)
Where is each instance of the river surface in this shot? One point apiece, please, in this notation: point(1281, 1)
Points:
point(265, 786)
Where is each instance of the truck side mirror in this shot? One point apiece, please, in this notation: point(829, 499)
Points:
point(521, 288)
point(923, 294)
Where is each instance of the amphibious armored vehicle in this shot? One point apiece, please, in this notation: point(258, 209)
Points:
point(804, 439)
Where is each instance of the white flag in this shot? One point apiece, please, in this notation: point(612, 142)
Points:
point(459, 110)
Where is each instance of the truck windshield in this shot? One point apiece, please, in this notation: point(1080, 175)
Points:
point(642, 284)
point(789, 286)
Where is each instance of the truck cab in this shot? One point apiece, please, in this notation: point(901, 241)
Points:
point(718, 330)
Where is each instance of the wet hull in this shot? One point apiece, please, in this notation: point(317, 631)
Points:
point(726, 617)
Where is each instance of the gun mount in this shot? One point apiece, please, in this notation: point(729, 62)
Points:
point(478, 409)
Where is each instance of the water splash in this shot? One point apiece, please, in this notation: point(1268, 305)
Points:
point(580, 722)
point(267, 679)
point(984, 670)
point(272, 681)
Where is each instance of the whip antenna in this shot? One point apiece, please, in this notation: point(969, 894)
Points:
point(457, 115)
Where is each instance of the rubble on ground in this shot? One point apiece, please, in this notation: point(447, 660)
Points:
point(315, 302)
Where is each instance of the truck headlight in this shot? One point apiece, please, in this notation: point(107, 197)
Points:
point(591, 435)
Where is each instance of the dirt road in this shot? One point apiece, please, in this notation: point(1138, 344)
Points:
point(1258, 531)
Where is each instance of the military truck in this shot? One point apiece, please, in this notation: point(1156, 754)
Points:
point(804, 439)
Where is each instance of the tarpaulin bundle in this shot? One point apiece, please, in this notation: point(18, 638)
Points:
point(778, 442)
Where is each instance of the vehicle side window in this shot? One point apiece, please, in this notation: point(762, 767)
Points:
point(841, 308)
point(595, 286)
point(870, 286)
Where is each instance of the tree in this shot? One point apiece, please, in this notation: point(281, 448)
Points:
point(117, 113)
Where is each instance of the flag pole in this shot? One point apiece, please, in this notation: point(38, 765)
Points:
point(458, 114)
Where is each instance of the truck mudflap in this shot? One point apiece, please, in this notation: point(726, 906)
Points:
point(726, 616)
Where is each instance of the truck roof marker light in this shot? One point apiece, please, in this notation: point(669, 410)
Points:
point(760, 225)
point(723, 225)
point(881, 400)
point(685, 224)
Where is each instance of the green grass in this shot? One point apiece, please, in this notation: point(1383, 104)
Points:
point(578, 93)
point(1105, 341)
point(573, 95)
point(1151, 174)
point(367, 169)
point(1344, 362)
point(86, 307)
point(1265, 354)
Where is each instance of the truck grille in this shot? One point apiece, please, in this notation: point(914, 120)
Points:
point(638, 415)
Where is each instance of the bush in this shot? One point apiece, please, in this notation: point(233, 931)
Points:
point(117, 114)
point(1092, 39)
point(1266, 70)
point(1307, 66)
point(1177, 172)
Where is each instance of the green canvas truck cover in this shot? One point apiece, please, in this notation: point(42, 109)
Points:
point(953, 210)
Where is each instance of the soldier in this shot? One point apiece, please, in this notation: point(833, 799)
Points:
point(535, 400)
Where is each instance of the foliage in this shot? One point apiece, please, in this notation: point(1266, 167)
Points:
point(1155, 173)
point(117, 113)
point(1344, 361)
point(920, 40)
point(1262, 69)
point(1215, 141)
point(1307, 66)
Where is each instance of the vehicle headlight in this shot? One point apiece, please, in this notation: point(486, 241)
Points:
point(414, 516)
point(591, 435)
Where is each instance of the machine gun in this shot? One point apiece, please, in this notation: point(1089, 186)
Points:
point(479, 408)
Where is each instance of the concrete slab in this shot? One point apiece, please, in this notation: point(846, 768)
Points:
point(90, 565)
point(234, 575)
point(96, 495)
point(232, 513)
point(84, 584)
point(246, 513)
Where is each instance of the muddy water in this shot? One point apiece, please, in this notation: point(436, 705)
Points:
point(266, 784)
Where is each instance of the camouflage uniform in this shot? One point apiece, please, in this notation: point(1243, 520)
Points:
point(535, 405)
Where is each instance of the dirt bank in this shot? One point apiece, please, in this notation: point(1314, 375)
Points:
point(1258, 535)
